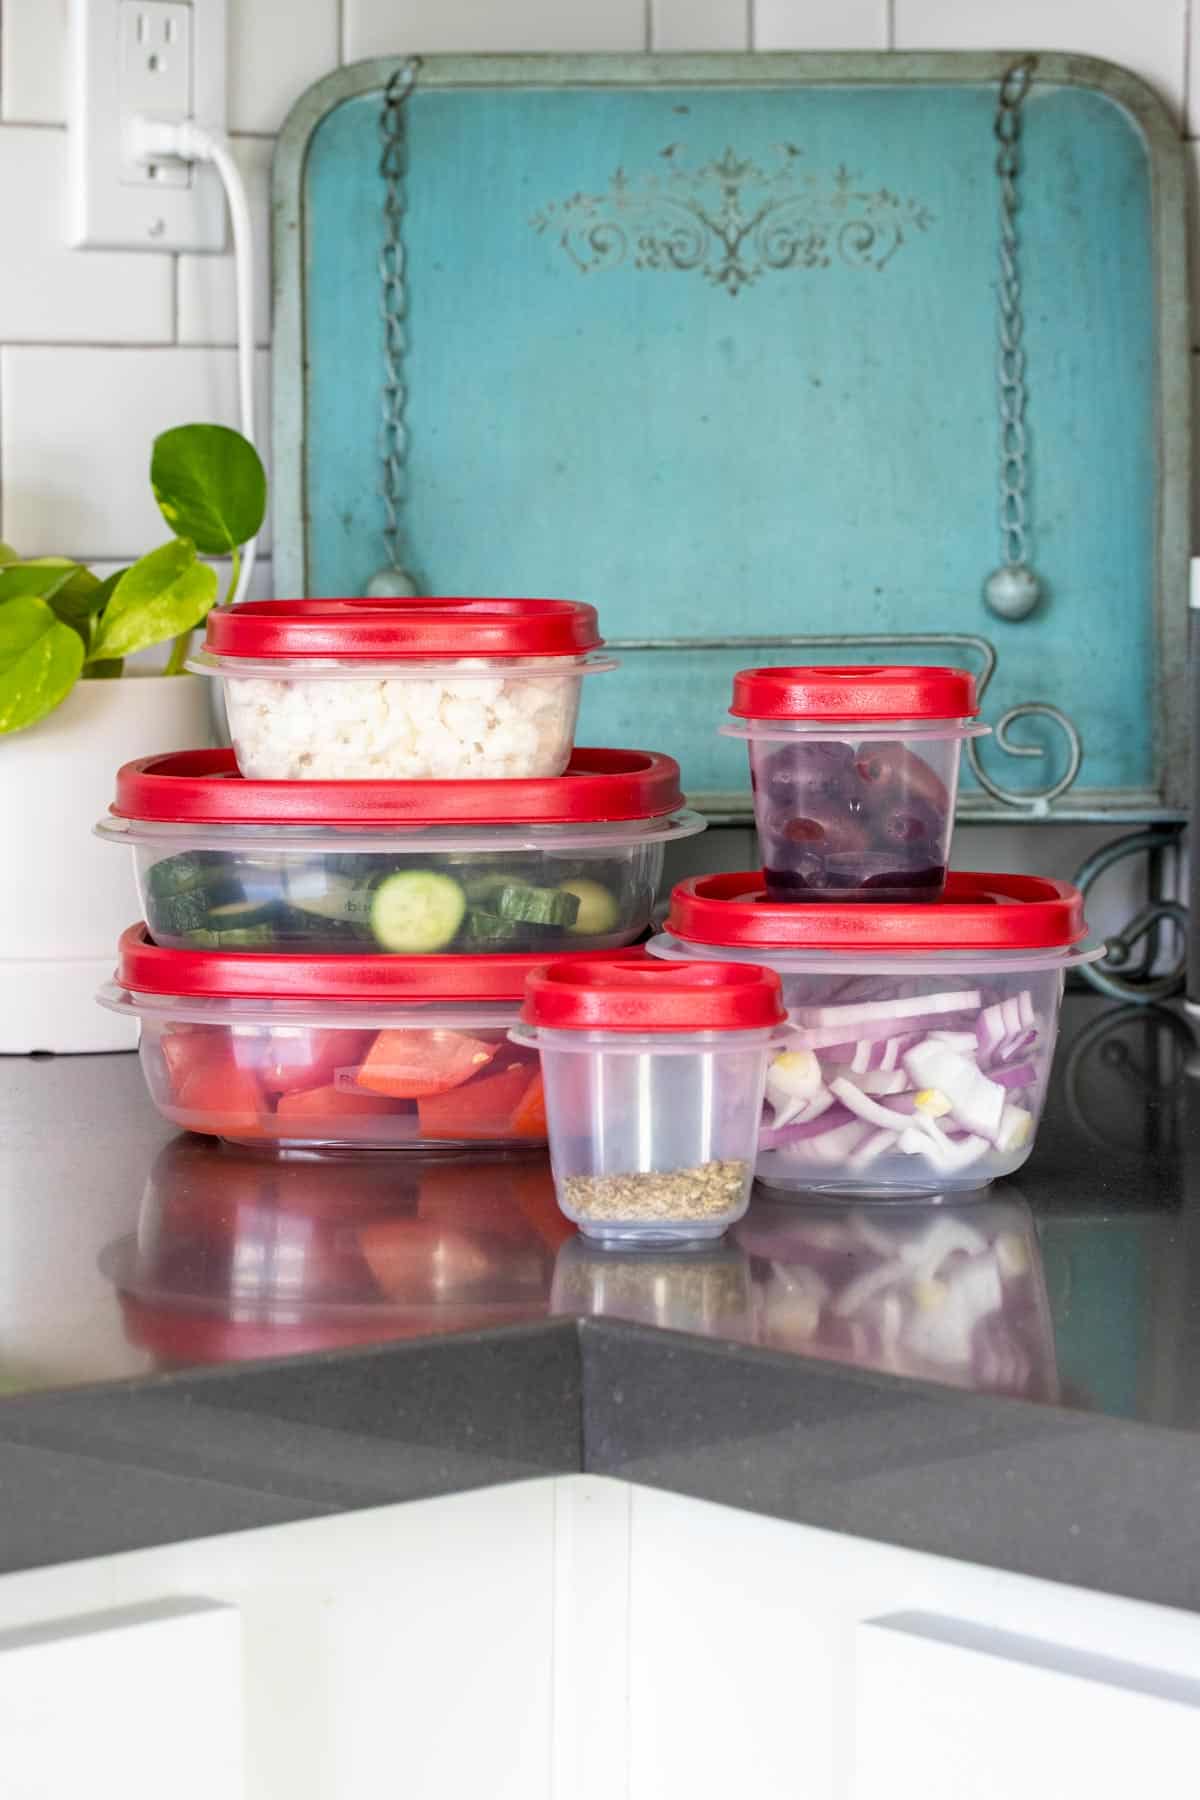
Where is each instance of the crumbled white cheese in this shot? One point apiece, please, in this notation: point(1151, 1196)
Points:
point(467, 728)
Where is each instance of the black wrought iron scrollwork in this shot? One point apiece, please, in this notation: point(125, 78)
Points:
point(1037, 799)
point(1131, 967)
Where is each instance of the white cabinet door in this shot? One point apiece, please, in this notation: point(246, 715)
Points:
point(142, 1701)
point(948, 1709)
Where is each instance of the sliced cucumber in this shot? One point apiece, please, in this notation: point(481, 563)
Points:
point(417, 912)
point(181, 874)
point(598, 910)
point(537, 905)
point(482, 890)
point(346, 898)
point(176, 914)
point(238, 937)
point(488, 931)
point(234, 915)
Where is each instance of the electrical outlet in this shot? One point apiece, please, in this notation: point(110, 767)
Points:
point(154, 81)
point(151, 59)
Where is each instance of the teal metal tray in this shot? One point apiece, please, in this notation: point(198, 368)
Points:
point(709, 341)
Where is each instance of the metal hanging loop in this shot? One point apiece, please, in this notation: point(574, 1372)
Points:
point(396, 579)
point(1013, 590)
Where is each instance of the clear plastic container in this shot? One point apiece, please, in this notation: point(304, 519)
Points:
point(955, 1295)
point(854, 773)
point(298, 1053)
point(919, 1041)
point(427, 689)
point(401, 868)
point(653, 1082)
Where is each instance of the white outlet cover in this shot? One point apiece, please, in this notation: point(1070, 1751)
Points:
point(112, 203)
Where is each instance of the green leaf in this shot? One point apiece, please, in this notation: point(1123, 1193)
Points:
point(79, 598)
point(40, 660)
point(7, 553)
point(45, 576)
point(164, 593)
point(107, 669)
point(210, 486)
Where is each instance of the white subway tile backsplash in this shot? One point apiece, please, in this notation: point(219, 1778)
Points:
point(277, 48)
point(392, 27)
point(700, 24)
point(50, 293)
point(207, 313)
point(1149, 37)
point(33, 45)
point(75, 435)
point(829, 25)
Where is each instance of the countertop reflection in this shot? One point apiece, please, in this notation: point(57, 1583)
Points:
point(129, 1250)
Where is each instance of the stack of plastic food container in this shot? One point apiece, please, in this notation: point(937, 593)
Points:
point(341, 914)
point(922, 1007)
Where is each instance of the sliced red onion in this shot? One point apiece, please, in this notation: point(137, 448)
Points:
point(879, 1081)
point(1019, 1075)
point(949, 1157)
point(871, 1149)
point(828, 1147)
point(782, 1137)
point(975, 1101)
point(862, 1104)
point(916, 1006)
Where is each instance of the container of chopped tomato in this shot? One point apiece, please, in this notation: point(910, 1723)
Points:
point(334, 1052)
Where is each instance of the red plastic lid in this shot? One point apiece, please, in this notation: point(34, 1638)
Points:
point(383, 630)
point(846, 693)
point(204, 787)
point(147, 968)
point(570, 996)
point(977, 912)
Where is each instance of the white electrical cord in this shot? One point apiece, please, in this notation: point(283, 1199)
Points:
point(155, 140)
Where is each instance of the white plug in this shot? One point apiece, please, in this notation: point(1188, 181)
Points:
point(162, 61)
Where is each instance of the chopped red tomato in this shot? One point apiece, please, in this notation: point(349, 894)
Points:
point(482, 1111)
point(529, 1116)
point(328, 1104)
point(293, 1059)
point(216, 1095)
point(185, 1047)
point(413, 1064)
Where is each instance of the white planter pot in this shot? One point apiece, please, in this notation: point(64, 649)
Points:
point(67, 897)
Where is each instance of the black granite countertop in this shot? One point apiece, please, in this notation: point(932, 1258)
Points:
point(195, 1339)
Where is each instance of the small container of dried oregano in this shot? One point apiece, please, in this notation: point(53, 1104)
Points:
point(654, 1078)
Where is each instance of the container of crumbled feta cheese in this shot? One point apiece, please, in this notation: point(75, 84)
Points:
point(400, 868)
point(402, 690)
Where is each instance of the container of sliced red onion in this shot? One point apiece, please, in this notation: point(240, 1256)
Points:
point(854, 772)
point(920, 1037)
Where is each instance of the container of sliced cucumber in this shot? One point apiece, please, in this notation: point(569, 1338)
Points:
point(412, 868)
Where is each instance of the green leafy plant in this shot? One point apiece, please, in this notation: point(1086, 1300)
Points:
point(59, 622)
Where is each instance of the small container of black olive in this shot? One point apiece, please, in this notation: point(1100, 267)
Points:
point(854, 772)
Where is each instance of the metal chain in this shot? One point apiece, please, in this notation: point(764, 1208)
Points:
point(1011, 361)
point(393, 435)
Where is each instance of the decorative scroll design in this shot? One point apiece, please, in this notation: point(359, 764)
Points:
point(1032, 803)
point(1127, 970)
point(733, 220)
point(1036, 799)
